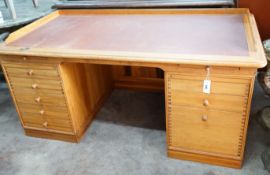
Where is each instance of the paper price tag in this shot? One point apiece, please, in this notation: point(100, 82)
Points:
point(207, 86)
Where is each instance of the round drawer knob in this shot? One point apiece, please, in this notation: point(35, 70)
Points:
point(38, 99)
point(34, 86)
point(45, 124)
point(42, 112)
point(30, 72)
point(204, 118)
point(24, 58)
point(205, 102)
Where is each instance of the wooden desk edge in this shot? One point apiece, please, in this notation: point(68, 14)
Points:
point(131, 58)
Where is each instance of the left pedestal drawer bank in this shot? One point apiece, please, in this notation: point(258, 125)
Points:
point(40, 100)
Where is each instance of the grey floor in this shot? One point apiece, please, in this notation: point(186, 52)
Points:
point(126, 138)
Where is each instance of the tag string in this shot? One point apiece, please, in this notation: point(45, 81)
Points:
point(207, 73)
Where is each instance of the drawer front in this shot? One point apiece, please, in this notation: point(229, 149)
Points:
point(212, 131)
point(36, 98)
point(221, 86)
point(52, 112)
point(35, 84)
point(214, 101)
point(31, 70)
point(38, 91)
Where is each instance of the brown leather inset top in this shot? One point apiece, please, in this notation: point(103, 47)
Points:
point(204, 34)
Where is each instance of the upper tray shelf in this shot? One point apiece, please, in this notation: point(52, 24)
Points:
point(221, 33)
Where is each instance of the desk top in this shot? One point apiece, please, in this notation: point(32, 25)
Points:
point(210, 37)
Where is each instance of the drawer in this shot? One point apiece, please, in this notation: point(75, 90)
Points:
point(213, 101)
point(33, 121)
point(38, 91)
point(55, 112)
point(34, 84)
point(218, 85)
point(33, 71)
point(36, 98)
point(213, 131)
point(48, 120)
point(48, 117)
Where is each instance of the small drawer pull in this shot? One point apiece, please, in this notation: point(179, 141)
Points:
point(30, 72)
point(34, 86)
point(42, 112)
point(45, 124)
point(204, 118)
point(38, 99)
point(24, 58)
point(205, 102)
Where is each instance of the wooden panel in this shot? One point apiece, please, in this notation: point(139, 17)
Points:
point(21, 70)
point(213, 160)
point(87, 86)
point(35, 83)
point(38, 119)
point(197, 71)
point(49, 99)
point(138, 78)
point(38, 91)
point(51, 135)
point(144, 72)
point(33, 121)
point(219, 102)
point(217, 87)
point(50, 113)
point(220, 134)
point(31, 66)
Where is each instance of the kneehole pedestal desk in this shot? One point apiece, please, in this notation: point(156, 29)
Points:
point(59, 73)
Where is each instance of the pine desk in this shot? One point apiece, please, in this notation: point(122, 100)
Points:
point(59, 73)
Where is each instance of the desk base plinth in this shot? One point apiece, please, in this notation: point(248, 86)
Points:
point(205, 159)
point(50, 135)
